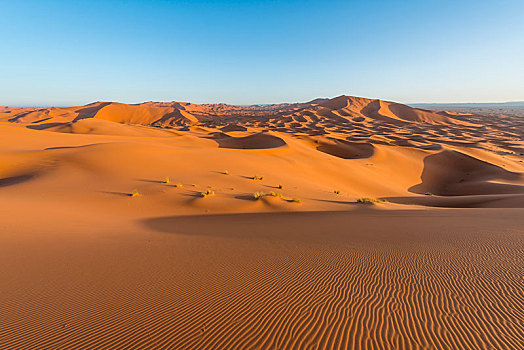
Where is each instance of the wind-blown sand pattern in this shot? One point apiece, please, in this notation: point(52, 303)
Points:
point(435, 263)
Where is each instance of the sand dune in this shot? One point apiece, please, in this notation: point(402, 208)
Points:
point(452, 173)
point(335, 223)
point(176, 113)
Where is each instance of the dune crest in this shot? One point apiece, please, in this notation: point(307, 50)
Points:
point(183, 113)
point(381, 149)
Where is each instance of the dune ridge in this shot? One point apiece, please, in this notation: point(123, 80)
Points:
point(451, 154)
point(183, 113)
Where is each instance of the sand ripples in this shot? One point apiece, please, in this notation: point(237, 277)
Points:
point(429, 291)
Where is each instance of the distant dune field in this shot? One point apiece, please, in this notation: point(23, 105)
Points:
point(333, 224)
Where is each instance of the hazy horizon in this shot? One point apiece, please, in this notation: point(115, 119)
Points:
point(271, 103)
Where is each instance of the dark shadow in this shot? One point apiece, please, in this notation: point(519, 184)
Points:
point(433, 147)
point(364, 224)
point(42, 120)
point(90, 110)
point(20, 116)
point(15, 180)
point(193, 194)
point(338, 202)
point(233, 127)
point(44, 126)
point(347, 150)
point(175, 185)
point(60, 147)
point(475, 201)
point(269, 186)
point(255, 141)
point(121, 194)
point(70, 147)
point(246, 197)
point(281, 225)
point(151, 181)
point(220, 172)
point(248, 177)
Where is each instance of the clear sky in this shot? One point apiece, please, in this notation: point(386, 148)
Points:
point(245, 52)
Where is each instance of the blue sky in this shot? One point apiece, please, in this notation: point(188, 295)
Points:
point(245, 52)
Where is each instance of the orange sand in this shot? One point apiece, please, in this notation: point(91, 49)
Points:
point(84, 264)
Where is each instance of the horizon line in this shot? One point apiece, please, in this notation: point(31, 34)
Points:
point(265, 104)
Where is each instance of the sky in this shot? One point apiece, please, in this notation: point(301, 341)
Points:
point(62, 53)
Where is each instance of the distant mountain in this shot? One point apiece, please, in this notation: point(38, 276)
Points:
point(467, 105)
point(339, 110)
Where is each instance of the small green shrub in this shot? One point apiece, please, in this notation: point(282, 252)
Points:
point(336, 191)
point(280, 187)
point(166, 180)
point(428, 194)
point(257, 195)
point(258, 177)
point(296, 200)
point(226, 172)
point(135, 193)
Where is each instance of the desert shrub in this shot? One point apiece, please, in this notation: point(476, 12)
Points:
point(336, 191)
point(135, 193)
point(258, 195)
point(280, 187)
point(428, 194)
point(226, 172)
point(296, 200)
point(258, 177)
point(207, 193)
point(166, 180)
point(367, 200)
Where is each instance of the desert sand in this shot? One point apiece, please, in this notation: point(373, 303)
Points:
point(333, 224)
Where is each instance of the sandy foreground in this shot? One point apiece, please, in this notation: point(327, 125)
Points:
point(435, 263)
